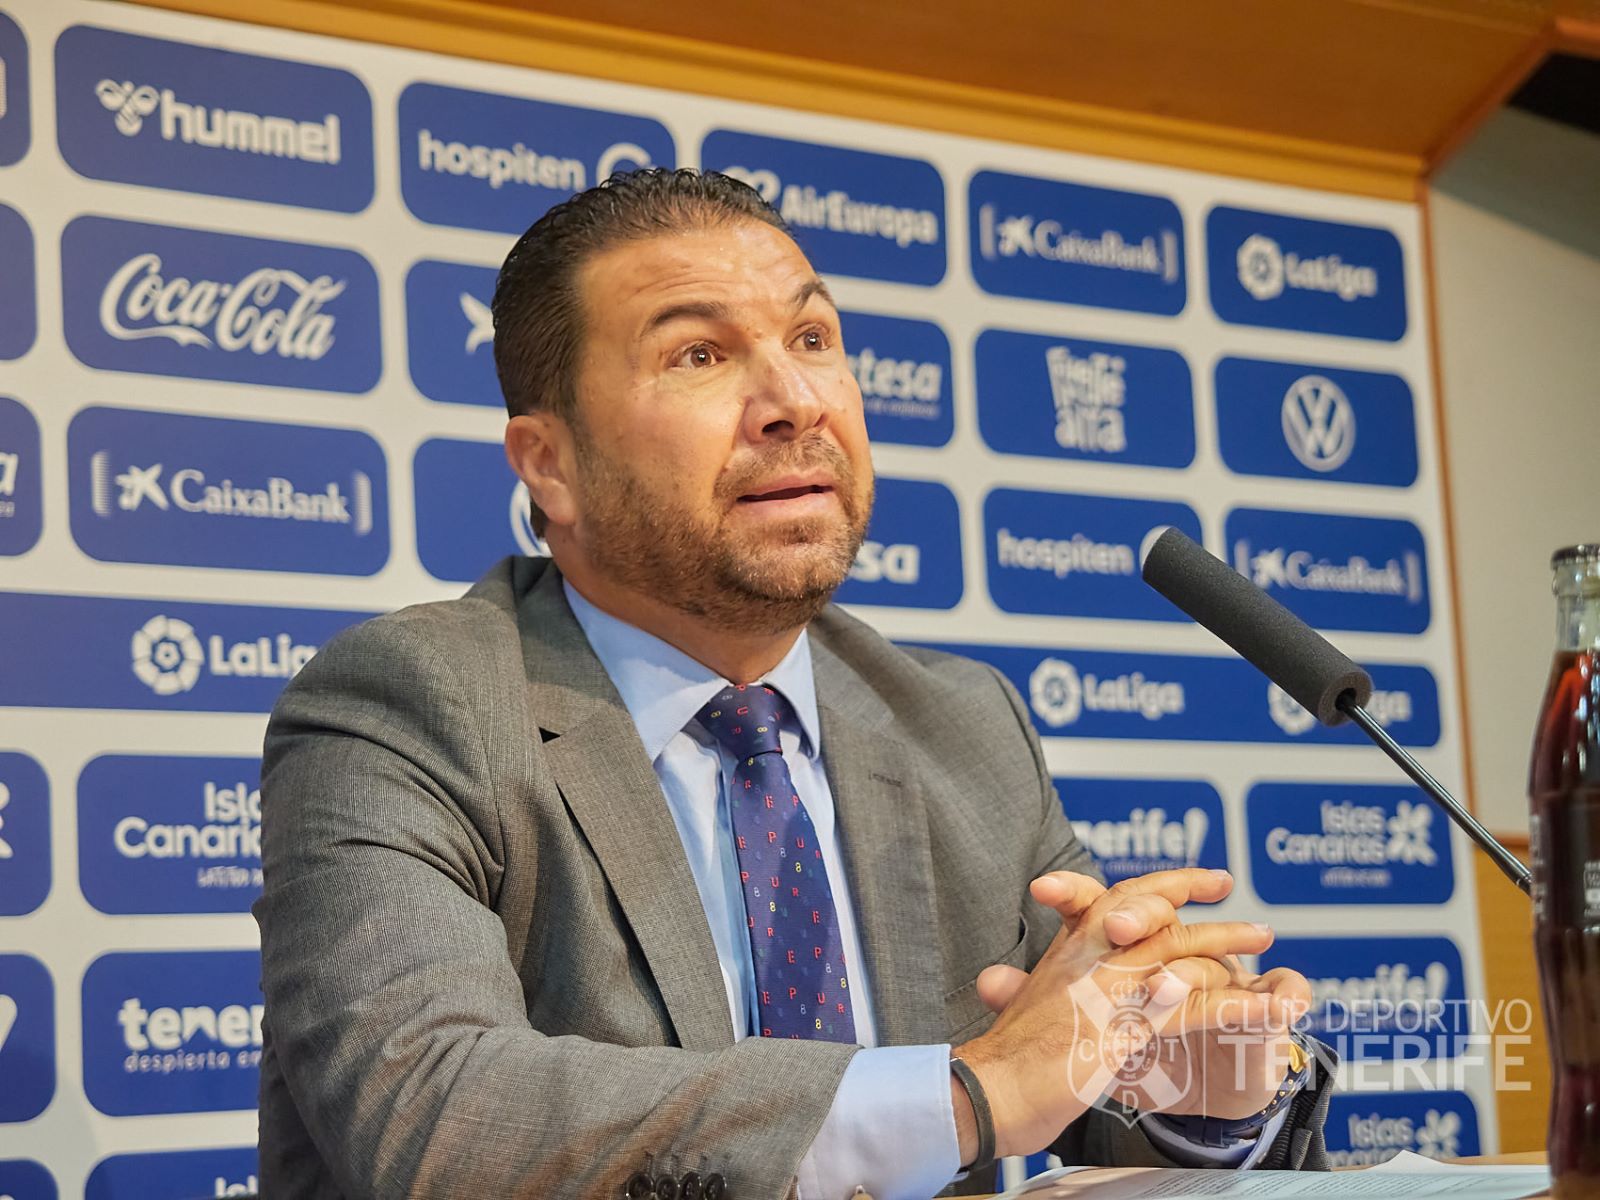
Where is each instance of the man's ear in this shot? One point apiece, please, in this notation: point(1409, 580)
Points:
point(540, 450)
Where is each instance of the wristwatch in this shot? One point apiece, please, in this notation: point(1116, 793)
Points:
point(1220, 1134)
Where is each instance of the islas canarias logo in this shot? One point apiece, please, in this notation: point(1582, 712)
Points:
point(169, 657)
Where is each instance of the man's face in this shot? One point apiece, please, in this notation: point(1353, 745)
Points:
point(722, 456)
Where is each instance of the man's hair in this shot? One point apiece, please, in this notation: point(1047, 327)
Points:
point(538, 311)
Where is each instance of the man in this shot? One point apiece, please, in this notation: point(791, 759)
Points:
point(642, 871)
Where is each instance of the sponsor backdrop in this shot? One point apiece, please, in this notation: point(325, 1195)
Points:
point(247, 399)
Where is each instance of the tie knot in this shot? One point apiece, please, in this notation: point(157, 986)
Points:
point(745, 718)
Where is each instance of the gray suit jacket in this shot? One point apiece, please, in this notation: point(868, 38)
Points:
point(486, 966)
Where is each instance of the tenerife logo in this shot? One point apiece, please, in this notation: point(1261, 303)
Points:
point(20, 516)
point(242, 494)
point(168, 657)
point(183, 302)
point(912, 553)
point(467, 158)
point(1318, 423)
point(1059, 695)
point(176, 115)
point(1043, 239)
point(245, 132)
point(1364, 1130)
point(877, 216)
point(1135, 826)
point(1294, 273)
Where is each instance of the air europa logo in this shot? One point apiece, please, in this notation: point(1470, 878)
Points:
point(805, 207)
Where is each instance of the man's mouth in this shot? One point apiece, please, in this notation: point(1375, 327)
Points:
point(786, 489)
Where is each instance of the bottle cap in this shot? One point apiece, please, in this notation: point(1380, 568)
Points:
point(1583, 552)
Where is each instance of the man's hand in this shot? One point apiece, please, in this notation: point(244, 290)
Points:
point(1063, 1036)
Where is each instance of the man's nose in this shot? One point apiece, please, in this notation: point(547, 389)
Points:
point(785, 400)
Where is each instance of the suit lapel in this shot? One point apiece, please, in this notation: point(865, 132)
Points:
point(884, 829)
point(599, 764)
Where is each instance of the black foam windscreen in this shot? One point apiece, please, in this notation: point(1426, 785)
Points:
point(1288, 651)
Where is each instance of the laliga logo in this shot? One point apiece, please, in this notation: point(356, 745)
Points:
point(1056, 692)
point(1059, 695)
point(1318, 423)
point(480, 318)
point(1260, 265)
point(131, 104)
point(167, 655)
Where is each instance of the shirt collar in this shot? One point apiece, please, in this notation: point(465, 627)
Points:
point(663, 688)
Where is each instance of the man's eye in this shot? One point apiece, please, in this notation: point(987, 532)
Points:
point(812, 339)
point(696, 356)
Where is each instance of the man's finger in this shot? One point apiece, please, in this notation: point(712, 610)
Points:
point(1204, 939)
point(1137, 917)
point(1069, 893)
point(998, 986)
point(1177, 887)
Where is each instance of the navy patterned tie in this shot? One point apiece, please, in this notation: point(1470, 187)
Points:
point(794, 928)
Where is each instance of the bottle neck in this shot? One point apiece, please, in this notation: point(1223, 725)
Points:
point(1578, 620)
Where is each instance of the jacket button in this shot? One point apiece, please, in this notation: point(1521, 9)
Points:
point(666, 1188)
point(638, 1187)
point(690, 1187)
point(714, 1187)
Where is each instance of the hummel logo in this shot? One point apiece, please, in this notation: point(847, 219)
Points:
point(131, 104)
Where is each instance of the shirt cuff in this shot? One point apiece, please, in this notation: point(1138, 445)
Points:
point(891, 1130)
point(1184, 1152)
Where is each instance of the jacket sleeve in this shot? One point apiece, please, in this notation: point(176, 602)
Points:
point(396, 1022)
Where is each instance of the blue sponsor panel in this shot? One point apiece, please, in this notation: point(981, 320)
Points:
point(21, 1179)
point(912, 553)
point(1365, 1129)
point(1060, 554)
point(1287, 272)
point(192, 118)
point(875, 216)
point(1044, 239)
point(169, 834)
point(1311, 422)
point(19, 321)
point(172, 1031)
point(175, 1173)
point(1058, 397)
point(114, 653)
point(903, 369)
point(1191, 698)
point(21, 504)
point(24, 834)
point(1335, 572)
point(154, 487)
point(163, 300)
point(14, 103)
point(1135, 826)
point(475, 160)
point(471, 511)
point(27, 1037)
point(450, 332)
point(1348, 843)
point(1380, 999)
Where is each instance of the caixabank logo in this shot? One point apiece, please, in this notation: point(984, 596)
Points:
point(172, 1032)
point(1335, 572)
point(1061, 554)
point(1045, 239)
point(24, 834)
point(1298, 421)
point(1366, 1129)
point(169, 833)
point(1347, 843)
point(1058, 397)
point(1135, 826)
point(163, 300)
point(876, 216)
point(192, 118)
point(1381, 998)
point(471, 510)
point(15, 130)
point(225, 1172)
point(19, 321)
point(1286, 272)
point(100, 652)
point(911, 557)
point(27, 1038)
point(902, 367)
point(167, 488)
point(476, 160)
point(21, 1179)
point(1072, 692)
point(21, 508)
point(450, 332)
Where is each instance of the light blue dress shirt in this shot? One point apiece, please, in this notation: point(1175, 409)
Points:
point(891, 1128)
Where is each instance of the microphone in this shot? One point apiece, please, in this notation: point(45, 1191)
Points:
point(1298, 659)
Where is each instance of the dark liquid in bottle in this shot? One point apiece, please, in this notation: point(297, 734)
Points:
point(1564, 789)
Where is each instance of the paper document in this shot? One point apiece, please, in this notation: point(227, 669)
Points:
point(1403, 1176)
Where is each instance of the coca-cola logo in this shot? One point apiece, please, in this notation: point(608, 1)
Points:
point(271, 310)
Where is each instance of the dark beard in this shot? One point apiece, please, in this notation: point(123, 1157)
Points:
point(653, 548)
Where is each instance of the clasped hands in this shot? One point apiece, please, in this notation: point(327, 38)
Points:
point(1129, 1004)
